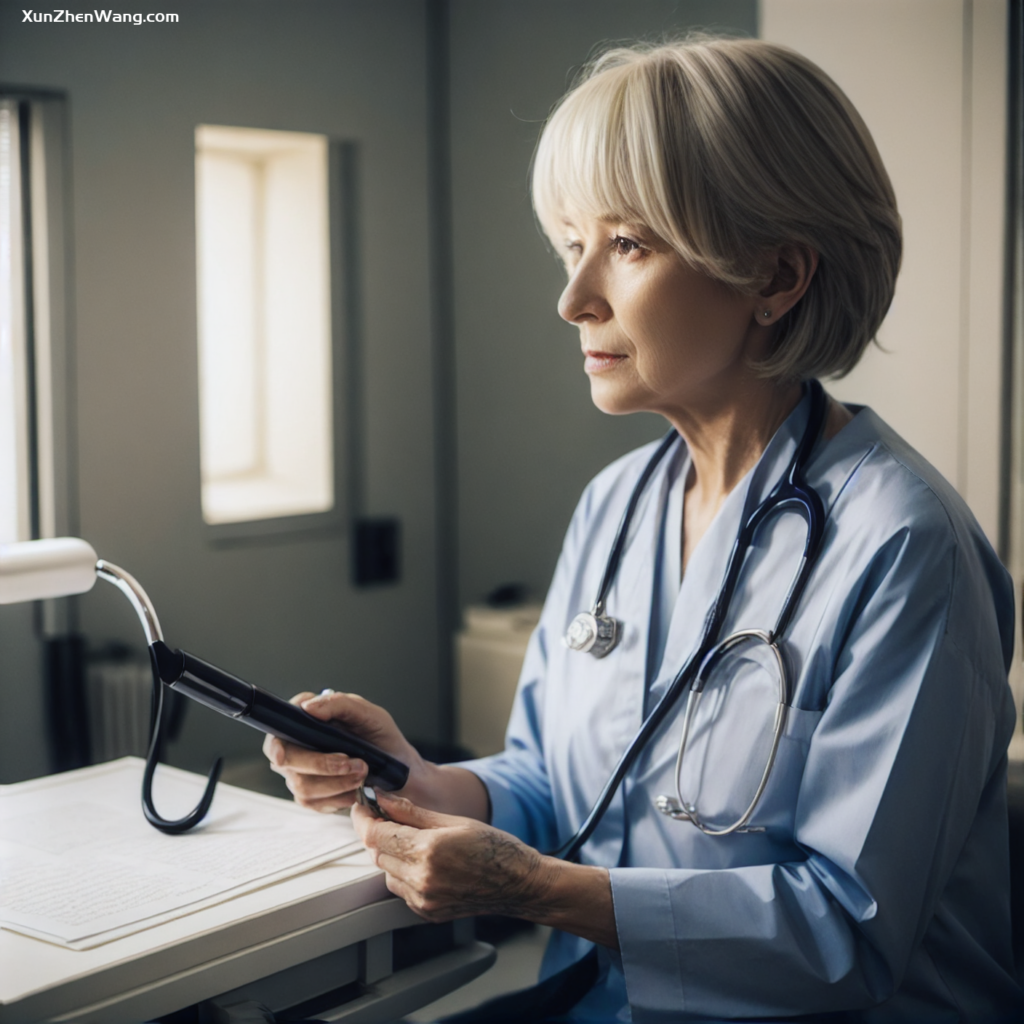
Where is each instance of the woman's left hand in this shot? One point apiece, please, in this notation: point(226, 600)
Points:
point(446, 867)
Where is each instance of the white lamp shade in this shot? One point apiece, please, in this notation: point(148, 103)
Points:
point(37, 569)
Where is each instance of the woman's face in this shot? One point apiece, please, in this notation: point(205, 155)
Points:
point(657, 335)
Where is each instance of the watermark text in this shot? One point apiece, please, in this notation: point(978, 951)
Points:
point(97, 17)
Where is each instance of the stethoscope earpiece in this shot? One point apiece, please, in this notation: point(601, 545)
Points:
point(591, 633)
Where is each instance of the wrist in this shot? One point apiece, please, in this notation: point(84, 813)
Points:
point(541, 889)
point(447, 788)
point(423, 777)
point(576, 898)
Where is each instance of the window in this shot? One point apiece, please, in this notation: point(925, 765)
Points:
point(265, 365)
point(15, 488)
point(34, 401)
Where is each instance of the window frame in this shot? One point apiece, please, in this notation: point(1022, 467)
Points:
point(343, 292)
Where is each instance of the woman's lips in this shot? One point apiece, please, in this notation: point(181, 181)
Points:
point(599, 362)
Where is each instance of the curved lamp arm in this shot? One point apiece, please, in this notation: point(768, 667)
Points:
point(132, 589)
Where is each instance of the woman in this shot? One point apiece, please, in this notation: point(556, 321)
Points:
point(730, 234)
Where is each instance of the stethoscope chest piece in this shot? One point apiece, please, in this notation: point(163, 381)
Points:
point(672, 808)
point(592, 633)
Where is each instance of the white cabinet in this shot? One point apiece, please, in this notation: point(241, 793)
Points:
point(489, 656)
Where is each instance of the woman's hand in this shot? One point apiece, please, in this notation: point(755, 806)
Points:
point(445, 867)
point(328, 782)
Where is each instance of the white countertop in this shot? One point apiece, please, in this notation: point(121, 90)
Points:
point(40, 980)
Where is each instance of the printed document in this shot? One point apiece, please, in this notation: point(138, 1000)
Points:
point(80, 865)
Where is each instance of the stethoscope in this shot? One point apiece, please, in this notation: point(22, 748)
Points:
point(597, 633)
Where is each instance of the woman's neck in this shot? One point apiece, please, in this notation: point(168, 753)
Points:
point(725, 440)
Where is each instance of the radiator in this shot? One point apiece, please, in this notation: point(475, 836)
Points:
point(117, 699)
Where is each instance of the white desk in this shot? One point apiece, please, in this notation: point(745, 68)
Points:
point(289, 942)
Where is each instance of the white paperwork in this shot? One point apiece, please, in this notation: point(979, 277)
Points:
point(80, 866)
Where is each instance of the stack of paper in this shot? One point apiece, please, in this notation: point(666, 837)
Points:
point(80, 866)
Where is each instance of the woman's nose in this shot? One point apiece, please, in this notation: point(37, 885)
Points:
point(583, 299)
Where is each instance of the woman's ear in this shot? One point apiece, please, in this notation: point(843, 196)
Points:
point(791, 272)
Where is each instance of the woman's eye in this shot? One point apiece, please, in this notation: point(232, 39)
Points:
point(625, 246)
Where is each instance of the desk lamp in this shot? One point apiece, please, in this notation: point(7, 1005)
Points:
point(39, 569)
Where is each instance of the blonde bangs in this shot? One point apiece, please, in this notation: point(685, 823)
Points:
point(598, 156)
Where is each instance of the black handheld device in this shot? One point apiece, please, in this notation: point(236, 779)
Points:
point(234, 697)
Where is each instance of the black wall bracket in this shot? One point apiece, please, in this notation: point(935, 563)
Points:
point(376, 551)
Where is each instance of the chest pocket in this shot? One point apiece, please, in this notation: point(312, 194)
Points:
point(778, 804)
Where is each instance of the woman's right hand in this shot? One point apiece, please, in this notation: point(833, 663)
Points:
point(328, 782)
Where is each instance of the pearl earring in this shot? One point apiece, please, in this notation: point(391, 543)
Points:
point(766, 314)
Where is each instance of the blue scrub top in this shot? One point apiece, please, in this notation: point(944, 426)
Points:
point(880, 882)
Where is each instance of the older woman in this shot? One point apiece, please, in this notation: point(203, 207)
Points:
point(802, 614)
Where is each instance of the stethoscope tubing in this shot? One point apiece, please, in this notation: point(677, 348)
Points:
point(793, 491)
point(693, 702)
point(615, 556)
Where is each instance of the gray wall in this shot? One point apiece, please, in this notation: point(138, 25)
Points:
point(23, 749)
point(529, 437)
point(283, 613)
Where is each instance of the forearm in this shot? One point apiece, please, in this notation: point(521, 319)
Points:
point(450, 790)
point(574, 898)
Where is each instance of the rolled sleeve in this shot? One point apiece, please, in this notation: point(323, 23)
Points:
point(645, 923)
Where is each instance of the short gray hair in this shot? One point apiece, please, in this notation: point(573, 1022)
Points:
point(729, 149)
